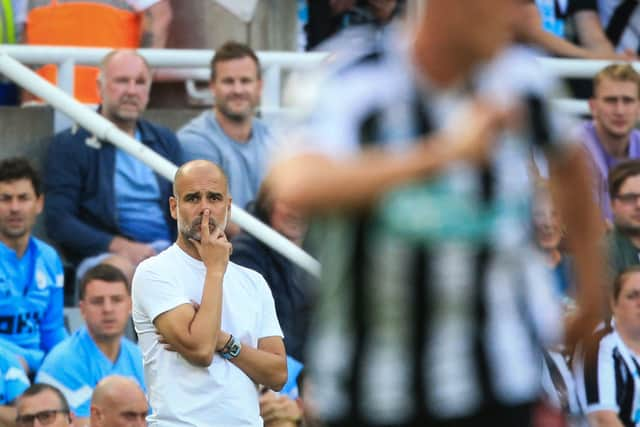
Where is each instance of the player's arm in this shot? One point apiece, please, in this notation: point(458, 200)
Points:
point(573, 196)
point(266, 365)
point(532, 32)
point(155, 25)
point(591, 34)
point(314, 182)
point(194, 333)
point(604, 419)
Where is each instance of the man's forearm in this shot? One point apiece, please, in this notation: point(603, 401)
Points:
point(266, 367)
point(205, 326)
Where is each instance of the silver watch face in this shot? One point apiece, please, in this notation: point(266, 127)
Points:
point(234, 348)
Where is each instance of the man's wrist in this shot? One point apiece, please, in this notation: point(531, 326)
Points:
point(231, 349)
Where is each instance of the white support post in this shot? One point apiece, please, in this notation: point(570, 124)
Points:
point(65, 82)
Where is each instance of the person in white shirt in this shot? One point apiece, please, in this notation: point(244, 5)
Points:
point(207, 327)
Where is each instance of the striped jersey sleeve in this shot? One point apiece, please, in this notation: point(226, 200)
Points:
point(606, 377)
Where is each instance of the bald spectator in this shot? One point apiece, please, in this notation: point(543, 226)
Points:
point(118, 402)
point(101, 201)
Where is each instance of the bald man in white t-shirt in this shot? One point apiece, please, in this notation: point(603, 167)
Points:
point(207, 327)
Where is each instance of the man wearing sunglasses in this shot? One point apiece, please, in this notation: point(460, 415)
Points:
point(43, 405)
point(624, 239)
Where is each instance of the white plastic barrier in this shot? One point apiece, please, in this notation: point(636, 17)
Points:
point(104, 129)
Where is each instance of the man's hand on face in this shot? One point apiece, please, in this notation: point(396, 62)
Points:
point(214, 248)
point(133, 251)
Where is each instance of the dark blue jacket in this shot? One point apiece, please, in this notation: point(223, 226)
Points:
point(289, 285)
point(80, 205)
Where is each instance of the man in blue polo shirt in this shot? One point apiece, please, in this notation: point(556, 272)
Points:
point(99, 349)
point(31, 275)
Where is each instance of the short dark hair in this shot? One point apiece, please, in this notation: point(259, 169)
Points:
point(233, 50)
point(16, 168)
point(38, 388)
point(621, 278)
point(105, 272)
point(619, 174)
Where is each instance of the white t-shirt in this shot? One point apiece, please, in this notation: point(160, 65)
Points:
point(180, 393)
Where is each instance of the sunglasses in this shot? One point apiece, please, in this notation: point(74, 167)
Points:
point(43, 417)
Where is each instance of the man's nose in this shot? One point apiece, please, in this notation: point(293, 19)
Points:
point(15, 204)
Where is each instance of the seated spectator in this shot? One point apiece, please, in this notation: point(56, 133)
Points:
point(288, 282)
point(44, 404)
point(101, 201)
point(229, 135)
point(99, 349)
point(118, 401)
point(13, 382)
point(611, 136)
point(606, 368)
point(106, 23)
point(624, 240)
point(548, 236)
point(543, 25)
point(31, 274)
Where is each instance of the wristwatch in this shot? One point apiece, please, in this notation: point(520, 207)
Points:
point(231, 349)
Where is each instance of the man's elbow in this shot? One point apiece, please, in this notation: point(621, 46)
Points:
point(201, 357)
point(279, 378)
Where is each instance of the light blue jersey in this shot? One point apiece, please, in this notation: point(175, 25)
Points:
point(13, 379)
point(76, 365)
point(31, 301)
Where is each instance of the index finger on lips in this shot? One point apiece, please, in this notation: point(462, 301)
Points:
point(204, 225)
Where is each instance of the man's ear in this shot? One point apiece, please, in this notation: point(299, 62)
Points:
point(173, 205)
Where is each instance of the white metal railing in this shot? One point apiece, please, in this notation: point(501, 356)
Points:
point(104, 129)
point(170, 64)
point(191, 65)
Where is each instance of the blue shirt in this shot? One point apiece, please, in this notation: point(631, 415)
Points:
point(138, 203)
point(31, 300)
point(76, 366)
point(13, 379)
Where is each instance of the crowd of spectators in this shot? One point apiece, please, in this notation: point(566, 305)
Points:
point(106, 212)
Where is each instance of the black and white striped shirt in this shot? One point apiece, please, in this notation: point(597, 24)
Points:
point(621, 21)
point(612, 383)
point(435, 302)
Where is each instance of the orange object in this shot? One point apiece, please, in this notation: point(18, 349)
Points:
point(82, 24)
